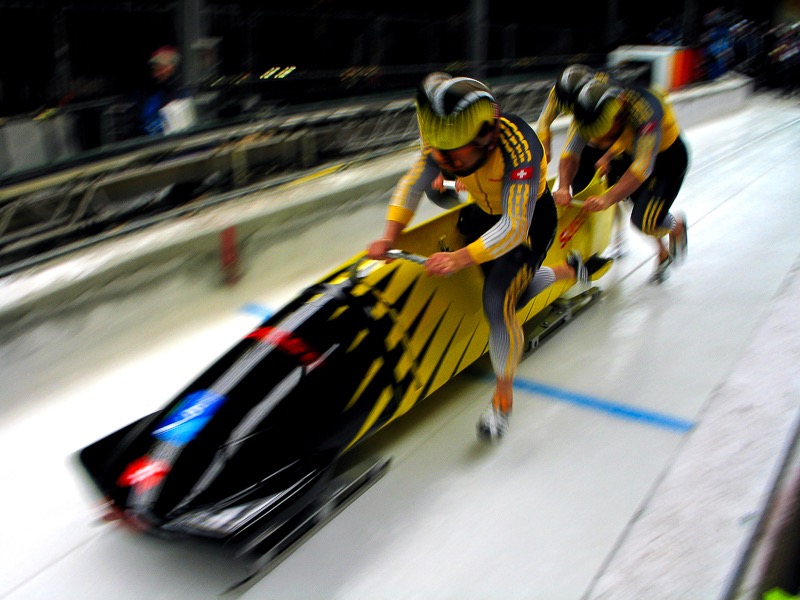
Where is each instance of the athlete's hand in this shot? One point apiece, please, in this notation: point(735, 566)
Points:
point(443, 264)
point(603, 165)
point(562, 196)
point(597, 203)
point(377, 249)
point(438, 183)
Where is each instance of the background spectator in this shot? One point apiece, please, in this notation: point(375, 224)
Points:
point(164, 88)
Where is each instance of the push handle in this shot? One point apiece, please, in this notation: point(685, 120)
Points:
point(415, 258)
point(394, 254)
point(449, 184)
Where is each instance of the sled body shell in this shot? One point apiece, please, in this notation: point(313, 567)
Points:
point(258, 434)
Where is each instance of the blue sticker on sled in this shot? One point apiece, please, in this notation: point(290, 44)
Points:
point(183, 424)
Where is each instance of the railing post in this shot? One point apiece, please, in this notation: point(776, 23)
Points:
point(229, 256)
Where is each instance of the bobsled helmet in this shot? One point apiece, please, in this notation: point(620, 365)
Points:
point(597, 107)
point(459, 119)
point(569, 84)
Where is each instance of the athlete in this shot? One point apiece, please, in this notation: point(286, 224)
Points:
point(509, 223)
point(640, 124)
point(561, 101)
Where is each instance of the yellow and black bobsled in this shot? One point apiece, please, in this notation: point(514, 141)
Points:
point(248, 454)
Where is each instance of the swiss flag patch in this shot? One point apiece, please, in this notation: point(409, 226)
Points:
point(522, 174)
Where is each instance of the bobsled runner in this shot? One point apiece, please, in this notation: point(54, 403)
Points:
point(250, 454)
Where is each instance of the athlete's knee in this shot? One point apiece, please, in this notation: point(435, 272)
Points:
point(637, 222)
point(648, 223)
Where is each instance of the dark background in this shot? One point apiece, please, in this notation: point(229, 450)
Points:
point(59, 52)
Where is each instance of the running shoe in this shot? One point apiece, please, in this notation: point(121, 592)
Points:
point(575, 261)
point(618, 247)
point(493, 424)
point(662, 271)
point(594, 263)
point(678, 242)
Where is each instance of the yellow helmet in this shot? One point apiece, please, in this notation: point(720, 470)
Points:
point(454, 111)
point(596, 108)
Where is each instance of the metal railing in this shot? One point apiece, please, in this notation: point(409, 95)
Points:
point(43, 217)
point(50, 215)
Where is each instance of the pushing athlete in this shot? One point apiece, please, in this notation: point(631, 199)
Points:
point(509, 224)
point(640, 125)
point(561, 101)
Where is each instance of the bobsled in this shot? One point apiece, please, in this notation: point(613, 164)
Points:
point(250, 453)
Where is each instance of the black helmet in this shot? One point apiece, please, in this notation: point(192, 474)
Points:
point(569, 84)
point(457, 114)
point(596, 107)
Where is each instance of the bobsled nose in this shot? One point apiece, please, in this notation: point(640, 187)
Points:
point(136, 520)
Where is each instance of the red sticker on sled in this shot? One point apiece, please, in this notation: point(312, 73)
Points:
point(288, 342)
point(144, 472)
point(571, 229)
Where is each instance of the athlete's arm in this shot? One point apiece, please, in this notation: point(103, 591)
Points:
point(404, 202)
point(568, 166)
point(546, 118)
point(626, 185)
point(646, 121)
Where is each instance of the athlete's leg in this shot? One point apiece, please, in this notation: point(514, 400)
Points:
point(506, 281)
point(618, 246)
point(650, 215)
point(572, 269)
point(651, 207)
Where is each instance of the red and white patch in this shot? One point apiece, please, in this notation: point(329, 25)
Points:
point(522, 174)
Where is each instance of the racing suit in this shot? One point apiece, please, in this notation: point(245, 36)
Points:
point(651, 140)
point(589, 154)
point(509, 226)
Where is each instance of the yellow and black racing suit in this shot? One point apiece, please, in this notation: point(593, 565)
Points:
point(509, 226)
point(589, 154)
point(652, 142)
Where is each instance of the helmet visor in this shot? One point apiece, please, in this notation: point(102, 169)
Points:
point(466, 159)
point(460, 161)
